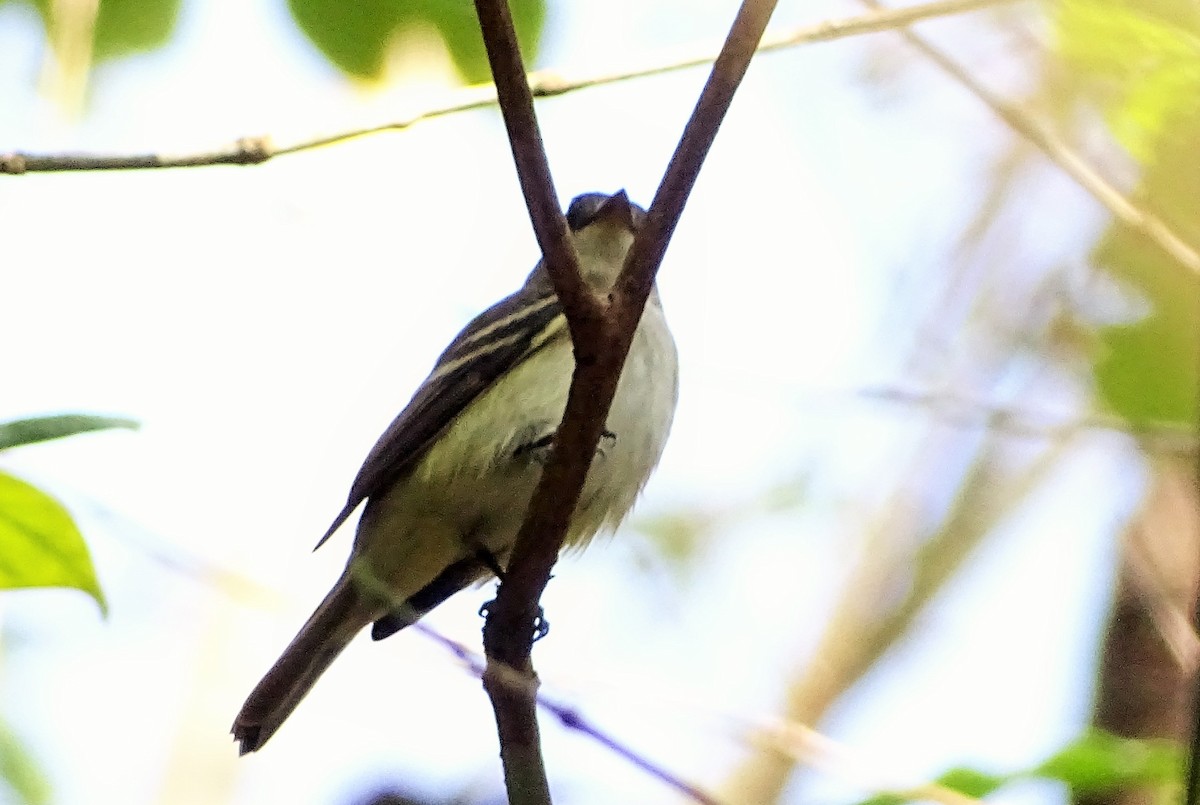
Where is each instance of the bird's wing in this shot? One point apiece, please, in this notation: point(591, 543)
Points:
point(497, 340)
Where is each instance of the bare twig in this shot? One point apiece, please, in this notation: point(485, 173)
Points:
point(253, 150)
point(1138, 218)
point(511, 619)
point(529, 155)
point(572, 719)
point(602, 332)
point(798, 741)
point(601, 345)
point(860, 630)
point(637, 277)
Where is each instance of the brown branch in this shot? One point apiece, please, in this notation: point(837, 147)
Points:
point(602, 332)
point(529, 155)
point(511, 621)
point(637, 277)
point(1192, 772)
point(509, 630)
point(572, 719)
point(601, 344)
point(253, 150)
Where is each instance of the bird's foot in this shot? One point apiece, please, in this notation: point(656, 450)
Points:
point(541, 626)
point(539, 449)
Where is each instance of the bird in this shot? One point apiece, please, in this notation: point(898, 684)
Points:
point(447, 484)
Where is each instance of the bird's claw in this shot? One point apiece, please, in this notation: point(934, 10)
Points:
point(541, 626)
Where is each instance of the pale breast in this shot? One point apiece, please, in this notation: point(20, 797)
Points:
point(474, 484)
point(640, 419)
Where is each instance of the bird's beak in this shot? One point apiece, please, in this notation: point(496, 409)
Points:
point(617, 208)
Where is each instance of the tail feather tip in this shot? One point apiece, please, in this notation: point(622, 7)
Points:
point(246, 737)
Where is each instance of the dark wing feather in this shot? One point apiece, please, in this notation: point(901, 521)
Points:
point(497, 340)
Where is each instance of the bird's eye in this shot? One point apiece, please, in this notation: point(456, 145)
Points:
point(583, 210)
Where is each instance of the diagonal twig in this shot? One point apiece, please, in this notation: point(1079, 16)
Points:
point(602, 343)
point(509, 629)
point(602, 332)
point(253, 150)
point(1060, 153)
point(529, 155)
point(804, 744)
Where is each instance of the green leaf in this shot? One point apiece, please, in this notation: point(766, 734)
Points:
point(18, 769)
point(677, 535)
point(1093, 763)
point(1147, 372)
point(1099, 761)
point(45, 428)
point(133, 26)
point(1141, 62)
point(459, 28)
point(123, 27)
point(972, 782)
point(884, 799)
point(40, 546)
point(356, 36)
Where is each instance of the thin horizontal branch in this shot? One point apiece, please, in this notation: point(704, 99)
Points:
point(1060, 153)
point(811, 34)
point(253, 150)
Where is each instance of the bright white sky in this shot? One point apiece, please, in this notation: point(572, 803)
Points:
point(266, 323)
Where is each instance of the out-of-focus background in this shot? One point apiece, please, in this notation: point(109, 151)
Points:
point(935, 423)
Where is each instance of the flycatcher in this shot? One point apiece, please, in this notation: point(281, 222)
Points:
point(447, 484)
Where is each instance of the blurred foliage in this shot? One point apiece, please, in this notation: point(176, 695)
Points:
point(678, 536)
point(1148, 370)
point(1094, 763)
point(1098, 761)
point(132, 26)
point(356, 36)
point(42, 545)
point(681, 536)
point(23, 777)
point(122, 27)
point(44, 428)
point(1138, 63)
point(1141, 61)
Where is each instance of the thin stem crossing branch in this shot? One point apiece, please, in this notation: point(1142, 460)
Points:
point(253, 150)
point(602, 331)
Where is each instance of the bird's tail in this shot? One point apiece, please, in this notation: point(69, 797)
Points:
point(343, 613)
